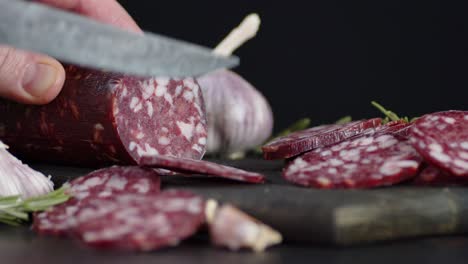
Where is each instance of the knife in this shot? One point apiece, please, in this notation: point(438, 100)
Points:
point(78, 40)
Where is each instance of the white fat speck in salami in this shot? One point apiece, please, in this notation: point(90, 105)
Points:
point(200, 167)
point(164, 140)
point(186, 129)
point(364, 162)
point(134, 102)
point(178, 90)
point(148, 88)
point(98, 126)
point(463, 155)
point(464, 145)
point(443, 149)
point(132, 145)
point(160, 90)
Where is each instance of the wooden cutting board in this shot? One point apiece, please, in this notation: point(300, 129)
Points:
point(339, 217)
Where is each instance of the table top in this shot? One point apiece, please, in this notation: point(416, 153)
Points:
point(21, 245)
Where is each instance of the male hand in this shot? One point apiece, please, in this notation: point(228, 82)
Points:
point(33, 78)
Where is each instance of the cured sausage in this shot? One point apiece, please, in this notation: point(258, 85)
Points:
point(116, 180)
point(316, 137)
point(368, 161)
point(123, 208)
point(107, 118)
point(442, 139)
point(140, 222)
point(100, 184)
point(200, 167)
point(433, 176)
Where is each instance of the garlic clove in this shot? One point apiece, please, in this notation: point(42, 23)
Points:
point(17, 178)
point(229, 227)
point(239, 116)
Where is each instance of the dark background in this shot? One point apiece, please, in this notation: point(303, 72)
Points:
point(326, 59)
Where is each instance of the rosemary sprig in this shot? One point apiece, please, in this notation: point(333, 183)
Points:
point(344, 120)
point(15, 211)
point(296, 126)
point(389, 115)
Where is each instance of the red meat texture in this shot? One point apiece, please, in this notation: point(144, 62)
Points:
point(364, 162)
point(442, 139)
point(102, 118)
point(316, 137)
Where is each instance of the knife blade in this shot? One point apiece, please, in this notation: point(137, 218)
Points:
point(78, 40)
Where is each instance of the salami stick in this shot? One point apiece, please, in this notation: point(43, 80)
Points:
point(106, 118)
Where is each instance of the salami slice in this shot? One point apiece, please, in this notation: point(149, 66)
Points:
point(106, 118)
point(316, 137)
point(100, 184)
point(57, 220)
point(442, 139)
point(116, 180)
point(200, 167)
point(403, 132)
point(433, 176)
point(141, 222)
point(363, 162)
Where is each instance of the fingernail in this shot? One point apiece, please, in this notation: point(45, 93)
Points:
point(38, 78)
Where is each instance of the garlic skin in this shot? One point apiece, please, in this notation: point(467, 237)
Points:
point(239, 117)
point(17, 178)
point(230, 227)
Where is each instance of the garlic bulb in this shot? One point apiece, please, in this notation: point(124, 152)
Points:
point(17, 178)
point(239, 117)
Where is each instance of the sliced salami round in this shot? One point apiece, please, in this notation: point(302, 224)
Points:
point(363, 162)
point(200, 167)
point(57, 220)
point(141, 222)
point(403, 133)
point(116, 180)
point(442, 139)
point(102, 118)
point(399, 129)
point(100, 184)
point(433, 176)
point(316, 137)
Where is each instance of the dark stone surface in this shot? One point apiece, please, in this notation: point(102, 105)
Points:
point(304, 216)
point(19, 245)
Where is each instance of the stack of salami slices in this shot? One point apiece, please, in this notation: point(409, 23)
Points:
point(125, 208)
point(432, 150)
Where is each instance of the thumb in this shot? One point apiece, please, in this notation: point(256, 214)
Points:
point(29, 78)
